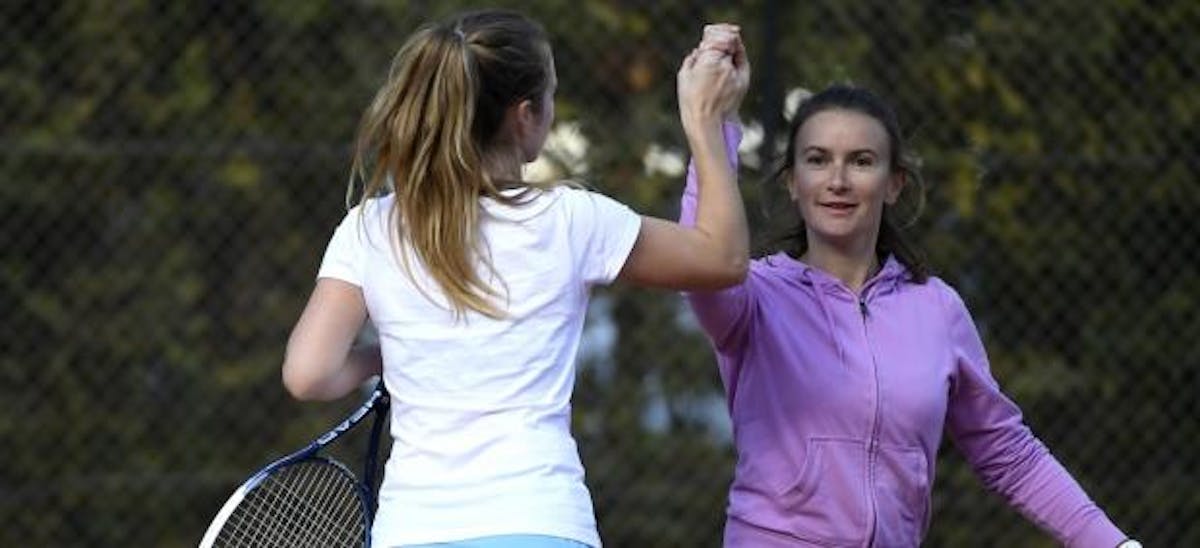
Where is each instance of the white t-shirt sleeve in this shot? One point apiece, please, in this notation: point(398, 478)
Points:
point(344, 257)
point(606, 231)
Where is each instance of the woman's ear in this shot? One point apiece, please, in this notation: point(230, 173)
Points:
point(895, 186)
point(789, 184)
point(526, 122)
point(526, 118)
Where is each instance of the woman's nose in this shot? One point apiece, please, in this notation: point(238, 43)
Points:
point(837, 179)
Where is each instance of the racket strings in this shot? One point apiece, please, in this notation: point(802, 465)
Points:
point(336, 518)
point(312, 503)
point(318, 506)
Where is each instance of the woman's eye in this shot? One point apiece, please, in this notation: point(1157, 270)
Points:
point(815, 160)
point(864, 161)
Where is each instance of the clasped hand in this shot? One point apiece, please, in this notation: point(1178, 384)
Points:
point(714, 77)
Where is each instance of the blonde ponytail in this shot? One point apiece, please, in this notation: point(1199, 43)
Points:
point(428, 134)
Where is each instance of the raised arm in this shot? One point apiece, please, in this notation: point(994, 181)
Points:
point(714, 252)
point(721, 313)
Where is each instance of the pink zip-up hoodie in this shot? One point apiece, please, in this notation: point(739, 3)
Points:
point(839, 402)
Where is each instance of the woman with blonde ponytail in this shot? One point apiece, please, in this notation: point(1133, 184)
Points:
point(477, 282)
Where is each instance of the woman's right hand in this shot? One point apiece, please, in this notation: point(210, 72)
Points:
point(710, 84)
point(713, 252)
point(727, 38)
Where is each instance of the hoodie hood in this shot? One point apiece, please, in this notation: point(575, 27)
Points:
point(889, 277)
point(825, 285)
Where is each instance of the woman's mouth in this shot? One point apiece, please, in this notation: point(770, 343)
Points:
point(839, 208)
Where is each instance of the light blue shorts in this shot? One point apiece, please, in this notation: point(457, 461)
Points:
point(507, 541)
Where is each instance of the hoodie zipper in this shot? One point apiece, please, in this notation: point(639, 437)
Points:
point(873, 447)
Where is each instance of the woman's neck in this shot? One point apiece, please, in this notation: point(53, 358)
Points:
point(853, 268)
point(503, 168)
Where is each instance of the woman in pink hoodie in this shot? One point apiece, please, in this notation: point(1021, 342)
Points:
point(843, 362)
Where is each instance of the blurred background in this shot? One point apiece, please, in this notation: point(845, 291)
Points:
point(170, 172)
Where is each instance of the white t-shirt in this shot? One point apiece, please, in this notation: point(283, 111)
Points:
point(481, 411)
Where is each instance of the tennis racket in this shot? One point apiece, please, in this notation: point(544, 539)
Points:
point(305, 499)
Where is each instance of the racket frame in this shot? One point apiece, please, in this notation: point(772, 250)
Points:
point(378, 402)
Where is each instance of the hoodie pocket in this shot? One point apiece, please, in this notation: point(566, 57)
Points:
point(827, 504)
point(902, 495)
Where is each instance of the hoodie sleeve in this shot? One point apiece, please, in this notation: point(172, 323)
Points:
point(988, 428)
point(719, 312)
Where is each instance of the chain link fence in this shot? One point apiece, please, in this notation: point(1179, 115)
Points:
point(171, 171)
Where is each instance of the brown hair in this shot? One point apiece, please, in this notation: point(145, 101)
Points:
point(892, 239)
point(431, 131)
